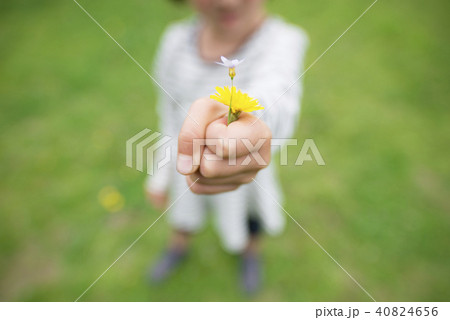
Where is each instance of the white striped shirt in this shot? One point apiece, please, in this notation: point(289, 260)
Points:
point(273, 62)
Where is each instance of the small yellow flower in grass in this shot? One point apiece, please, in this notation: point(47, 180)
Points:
point(237, 101)
point(111, 199)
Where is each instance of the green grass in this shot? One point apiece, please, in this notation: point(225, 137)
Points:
point(375, 105)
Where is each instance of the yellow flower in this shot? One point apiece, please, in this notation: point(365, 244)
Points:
point(111, 199)
point(237, 101)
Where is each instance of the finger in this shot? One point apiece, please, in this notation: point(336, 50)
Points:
point(241, 178)
point(199, 188)
point(213, 166)
point(202, 112)
point(239, 138)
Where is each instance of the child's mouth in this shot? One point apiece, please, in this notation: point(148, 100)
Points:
point(228, 18)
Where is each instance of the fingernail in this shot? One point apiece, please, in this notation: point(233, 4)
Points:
point(184, 163)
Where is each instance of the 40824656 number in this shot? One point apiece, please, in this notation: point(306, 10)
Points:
point(403, 312)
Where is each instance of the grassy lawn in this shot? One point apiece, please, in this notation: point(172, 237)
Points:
point(376, 105)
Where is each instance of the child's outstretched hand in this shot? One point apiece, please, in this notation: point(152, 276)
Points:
point(244, 145)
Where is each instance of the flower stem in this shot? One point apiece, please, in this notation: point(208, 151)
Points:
point(231, 116)
point(231, 96)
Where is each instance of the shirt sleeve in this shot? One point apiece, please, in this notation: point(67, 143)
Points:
point(161, 179)
point(277, 83)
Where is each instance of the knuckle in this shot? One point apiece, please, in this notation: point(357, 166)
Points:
point(207, 169)
point(219, 147)
point(234, 187)
point(186, 135)
point(269, 133)
point(199, 104)
point(266, 163)
point(196, 188)
point(224, 144)
point(247, 180)
point(266, 132)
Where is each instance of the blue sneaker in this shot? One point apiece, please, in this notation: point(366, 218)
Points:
point(250, 273)
point(166, 265)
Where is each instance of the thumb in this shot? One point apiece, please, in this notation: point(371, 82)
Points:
point(201, 113)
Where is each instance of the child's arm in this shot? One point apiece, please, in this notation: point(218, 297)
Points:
point(276, 82)
point(157, 185)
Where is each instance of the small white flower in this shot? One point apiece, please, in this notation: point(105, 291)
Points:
point(229, 63)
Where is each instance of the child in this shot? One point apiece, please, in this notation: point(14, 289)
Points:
point(186, 69)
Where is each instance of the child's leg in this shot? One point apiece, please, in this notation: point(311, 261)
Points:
point(172, 257)
point(251, 264)
point(179, 240)
point(186, 217)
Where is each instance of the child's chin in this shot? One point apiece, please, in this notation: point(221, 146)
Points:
point(229, 23)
